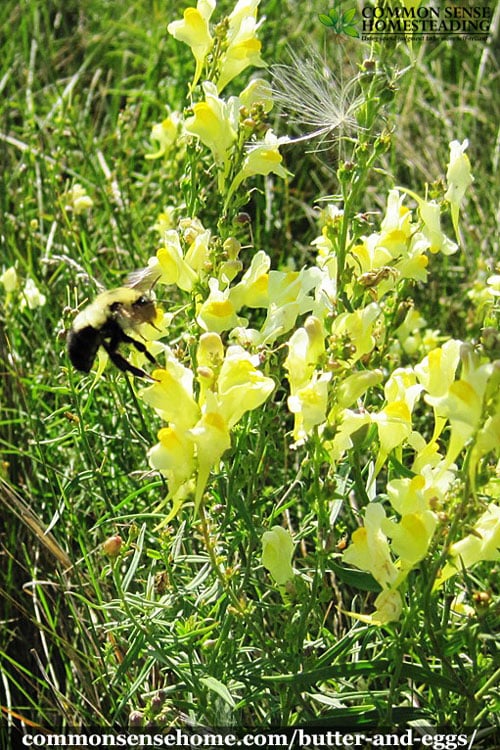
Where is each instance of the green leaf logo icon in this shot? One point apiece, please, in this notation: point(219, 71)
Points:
point(342, 22)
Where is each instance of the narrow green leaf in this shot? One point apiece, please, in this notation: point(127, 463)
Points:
point(218, 687)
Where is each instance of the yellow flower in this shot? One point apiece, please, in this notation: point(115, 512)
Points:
point(410, 538)
point(430, 213)
point(262, 158)
point(173, 456)
point(211, 437)
point(172, 265)
point(369, 549)
point(210, 352)
point(194, 31)
point(394, 425)
point(243, 47)
point(388, 608)
point(354, 386)
point(305, 348)
point(277, 553)
point(172, 396)
point(253, 289)
point(258, 91)
point(309, 404)
point(394, 420)
point(218, 313)
point(288, 298)
point(459, 179)
point(198, 253)
point(358, 327)
point(350, 423)
point(165, 133)
point(407, 495)
point(165, 220)
point(462, 405)
point(396, 225)
point(241, 387)
point(482, 544)
point(487, 439)
point(215, 122)
point(436, 372)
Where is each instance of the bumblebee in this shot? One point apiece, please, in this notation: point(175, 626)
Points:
point(108, 322)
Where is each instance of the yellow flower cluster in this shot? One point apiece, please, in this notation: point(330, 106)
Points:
point(198, 430)
point(332, 317)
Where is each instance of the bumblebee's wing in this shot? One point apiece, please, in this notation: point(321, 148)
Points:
point(144, 279)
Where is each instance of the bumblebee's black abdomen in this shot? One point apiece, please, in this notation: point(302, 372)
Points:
point(82, 347)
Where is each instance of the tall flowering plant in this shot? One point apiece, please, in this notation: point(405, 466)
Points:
point(406, 416)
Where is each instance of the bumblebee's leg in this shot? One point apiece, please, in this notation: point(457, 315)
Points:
point(123, 364)
point(139, 346)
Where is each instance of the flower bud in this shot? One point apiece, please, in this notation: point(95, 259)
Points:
point(277, 552)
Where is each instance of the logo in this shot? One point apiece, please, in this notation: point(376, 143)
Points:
point(342, 22)
point(414, 20)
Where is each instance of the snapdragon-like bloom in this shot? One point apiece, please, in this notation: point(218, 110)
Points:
point(369, 549)
point(172, 395)
point(309, 405)
point(430, 213)
point(165, 133)
point(172, 265)
point(253, 289)
point(242, 46)
point(406, 495)
point(173, 456)
point(218, 313)
point(259, 92)
point(411, 536)
point(212, 439)
point(358, 328)
point(388, 608)
point(215, 123)
point(459, 178)
point(350, 422)
point(462, 404)
point(194, 31)
point(482, 544)
point(277, 553)
point(436, 372)
point(354, 386)
point(199, 428)
point(394, 421)
point(305, 348)
point(288, 298)
point(241, 386)
point(262, 158)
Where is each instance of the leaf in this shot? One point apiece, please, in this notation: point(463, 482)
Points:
point(326, 20)
point(358, 579)
point(218, 687)
point(351, 31)
point(349, 16)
